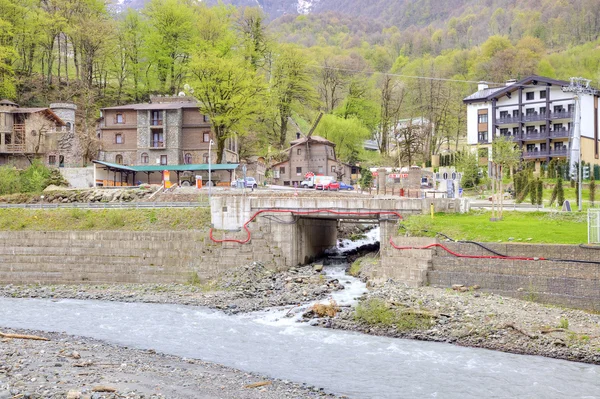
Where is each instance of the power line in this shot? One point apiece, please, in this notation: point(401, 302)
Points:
point(404, 76)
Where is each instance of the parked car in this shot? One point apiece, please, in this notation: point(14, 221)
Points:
point(333, 185)
point(250, 183)
point(322, 184)
point(344, 186)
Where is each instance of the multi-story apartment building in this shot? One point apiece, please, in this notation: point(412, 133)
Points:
point(167, 131)
point(47, 134)
point(536, 114)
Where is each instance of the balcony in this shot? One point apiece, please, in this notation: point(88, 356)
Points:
point(157, 144)
point(536, 154)
point(156, 122)
point(510, 137)
point(561, 115)
point(561, 133)
point(482, 139)
point(559, 152)
point(535, 135)
point(508, 120)
point(13, 148)
point(534, 117)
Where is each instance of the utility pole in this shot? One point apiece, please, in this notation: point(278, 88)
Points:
point(580, 87)
point(210, 144)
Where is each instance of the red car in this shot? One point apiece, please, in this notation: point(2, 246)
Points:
point(332, 186)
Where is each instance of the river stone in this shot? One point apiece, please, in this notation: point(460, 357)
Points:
point(318, 268)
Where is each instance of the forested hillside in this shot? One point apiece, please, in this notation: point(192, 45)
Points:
point(349, 61)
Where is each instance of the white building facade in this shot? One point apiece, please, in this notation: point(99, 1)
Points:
point(537, 115)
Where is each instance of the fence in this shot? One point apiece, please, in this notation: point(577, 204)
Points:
point(110, 205)
point(594, 226)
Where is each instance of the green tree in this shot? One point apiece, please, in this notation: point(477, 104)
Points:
point(560, 192)
point(291, 88)
point(229, 91)
point(507, 155)
point(366, 179)
point(467, 163)
point(169, 40)
point(540, 192)
point(347, 134)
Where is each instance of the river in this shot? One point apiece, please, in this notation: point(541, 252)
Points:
point(346, 363)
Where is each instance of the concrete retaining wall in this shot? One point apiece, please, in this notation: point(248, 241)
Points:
point(569, 284)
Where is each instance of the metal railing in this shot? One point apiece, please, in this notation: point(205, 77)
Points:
point(594, 226)
point(157, 144)
point(110, 205)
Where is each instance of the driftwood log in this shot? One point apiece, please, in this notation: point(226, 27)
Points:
point(21, 336)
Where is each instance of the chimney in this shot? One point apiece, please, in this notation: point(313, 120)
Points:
point(297, 135)
point(482, 86)
point(511, 82)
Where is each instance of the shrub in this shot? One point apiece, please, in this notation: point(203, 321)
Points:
point(560, 192)
point(563, 323)
point(355, 268)
point(540, 191)
point(329, 310)
point(10, 182)
point(35, 178)
point(376, 312)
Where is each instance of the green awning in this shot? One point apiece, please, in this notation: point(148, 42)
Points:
point(176, 168)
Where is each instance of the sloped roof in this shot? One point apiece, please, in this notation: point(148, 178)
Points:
point(154, 106)
point(176, 168)
point(316, 139)
point(8, 102)
point(533, 80)
point(46, 111)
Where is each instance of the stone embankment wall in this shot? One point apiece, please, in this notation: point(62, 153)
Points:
point(569, 284)
point(32, 257)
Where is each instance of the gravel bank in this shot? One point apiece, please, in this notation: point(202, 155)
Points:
point(479, 319)
point(244, 289)
point(74, 367)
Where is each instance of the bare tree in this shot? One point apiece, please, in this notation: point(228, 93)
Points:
point(391, 99)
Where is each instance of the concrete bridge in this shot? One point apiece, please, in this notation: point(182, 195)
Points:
point(302, 228)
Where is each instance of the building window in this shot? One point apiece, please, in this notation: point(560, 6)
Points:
point(542, 146)
point(145, 157)
point(482, 118)
point(515, 131)
point(119, 118)
point(204, 158)
point(542, 110)
point(558, 126)
point(320, 169)
point(163, 159)
point(542, 94)
point(529, 111)
point(531, 147)
point(571, 107)
point(118, 138)
point(205, 118)
point(559, 146)
point(157, 140)
point(530, 95)
point(543, 128)
point(282, 170)
point(187, 159)
point(482, 137)
point(298, 170)
point(8, 138)
point(119, 159)
point(558, 109)
point(503, 132)
point(299, 151)
point(206, 137)
point(333, 169)
point(503, 114)
point(156, 118)
point(530, 129)
point(68, 126)
point(51, 159)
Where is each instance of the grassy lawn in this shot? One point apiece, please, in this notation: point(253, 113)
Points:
point(527, 227)
point(105, 219)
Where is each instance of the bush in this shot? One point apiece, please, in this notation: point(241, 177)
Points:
point(329, 310)
point(10, 183)
point(35, 178)
point(376, 312)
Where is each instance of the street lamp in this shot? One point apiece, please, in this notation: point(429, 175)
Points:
point(210, 144)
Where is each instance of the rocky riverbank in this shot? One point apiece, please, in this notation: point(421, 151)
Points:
point(245, 289)
point(468, 317)
point(82, 368)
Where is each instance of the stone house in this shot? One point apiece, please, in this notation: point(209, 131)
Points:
point(47, 134)
point(310, 154)
point(167, 131)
